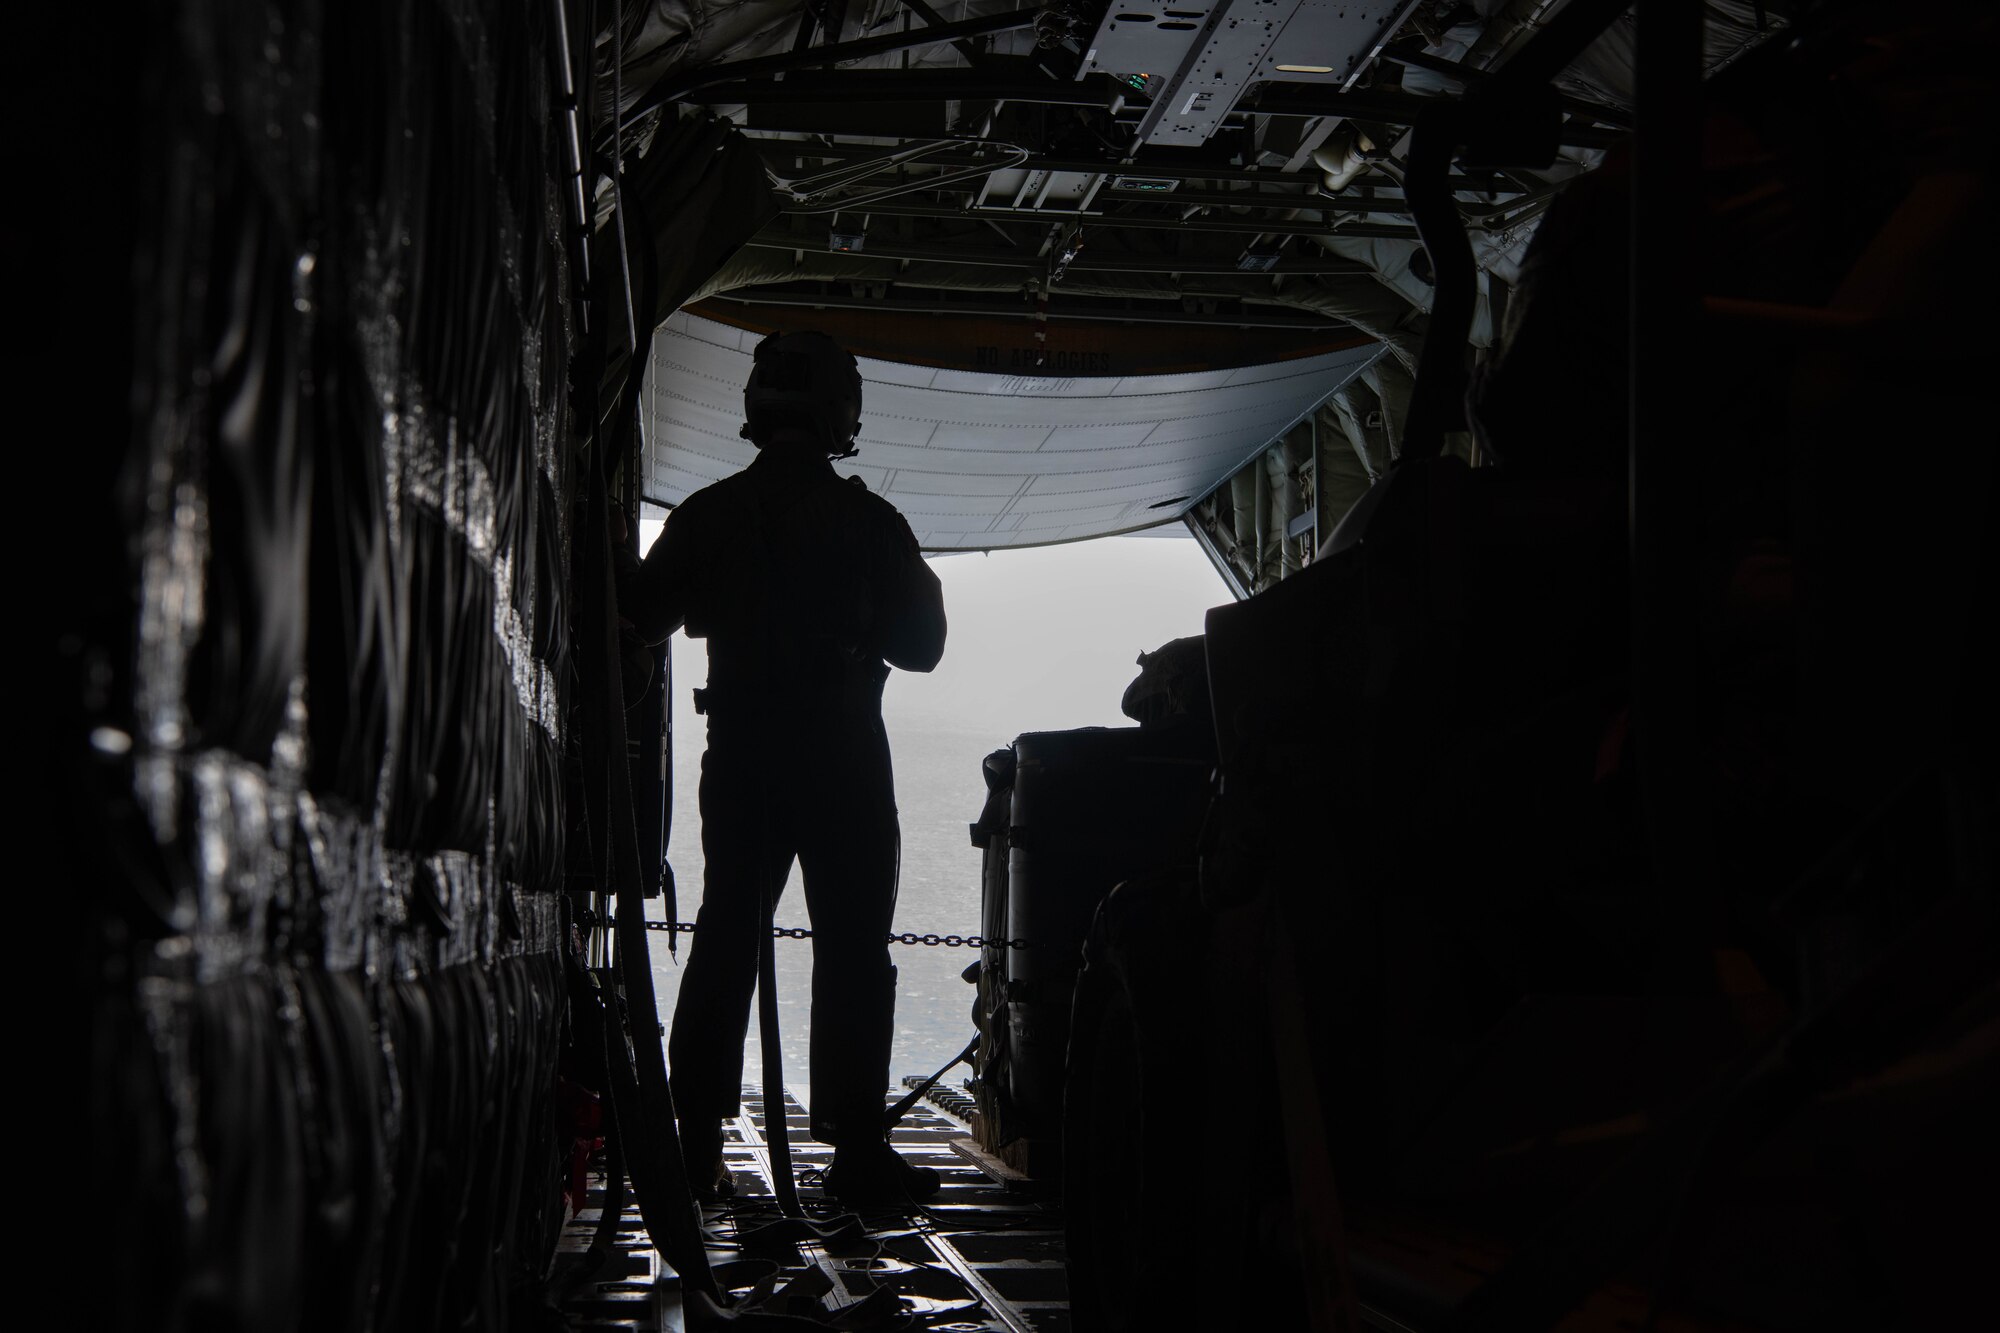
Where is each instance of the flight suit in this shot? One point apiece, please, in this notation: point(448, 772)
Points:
point(807, 588)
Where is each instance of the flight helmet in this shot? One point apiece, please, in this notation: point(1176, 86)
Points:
point(803, 381)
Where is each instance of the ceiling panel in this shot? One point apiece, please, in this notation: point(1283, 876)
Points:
point(978, 461)
point(912, 482)
point(977, 436)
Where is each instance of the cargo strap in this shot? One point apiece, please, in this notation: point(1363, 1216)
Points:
point(641, 1101)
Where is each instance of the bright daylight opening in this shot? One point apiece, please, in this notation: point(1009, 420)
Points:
point(1040, 640)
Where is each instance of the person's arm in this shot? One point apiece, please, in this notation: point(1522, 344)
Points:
point(912, 631)
point(654, 596)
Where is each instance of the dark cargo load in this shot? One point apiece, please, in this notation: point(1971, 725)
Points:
point(1085, 810)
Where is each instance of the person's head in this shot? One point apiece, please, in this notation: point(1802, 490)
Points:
point(804, 387)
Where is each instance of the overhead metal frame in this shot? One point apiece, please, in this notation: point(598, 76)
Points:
point(1219, 61)
point(804, 110)
point(1142, 222)
point(1230, 578)
point(680, 86)
point(975, 181)
point(720, 86)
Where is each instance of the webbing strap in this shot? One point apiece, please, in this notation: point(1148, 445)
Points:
point(641, 1102)
point(895, 1113)
point(776, 1137)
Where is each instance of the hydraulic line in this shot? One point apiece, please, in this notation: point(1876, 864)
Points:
point(804, 193)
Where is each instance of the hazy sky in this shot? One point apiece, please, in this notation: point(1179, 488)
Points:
point(1045, 639)
point(1039, 640)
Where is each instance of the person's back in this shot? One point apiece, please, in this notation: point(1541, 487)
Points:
point(808, 589)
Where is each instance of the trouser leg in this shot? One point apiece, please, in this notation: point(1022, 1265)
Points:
point(747, 854)
point(850, 873)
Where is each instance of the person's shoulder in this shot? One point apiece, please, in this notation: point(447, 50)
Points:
point(879, 508)
point(728, 485)
point(725, 494)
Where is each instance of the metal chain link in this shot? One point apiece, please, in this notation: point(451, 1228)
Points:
point(907, 937)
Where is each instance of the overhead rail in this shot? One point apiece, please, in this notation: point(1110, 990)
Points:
point(1241, 226)
point(1141, 165)
point(911, 85)
point(1277, 200)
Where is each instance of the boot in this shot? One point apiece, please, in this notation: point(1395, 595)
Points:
point(872, 1173)
point(701, 1150)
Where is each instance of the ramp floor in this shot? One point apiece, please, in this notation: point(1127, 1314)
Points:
point(982, 1257)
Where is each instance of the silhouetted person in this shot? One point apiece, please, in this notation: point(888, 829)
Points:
point(808, 589)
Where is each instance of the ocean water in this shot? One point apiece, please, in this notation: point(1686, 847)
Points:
point(939, 792)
